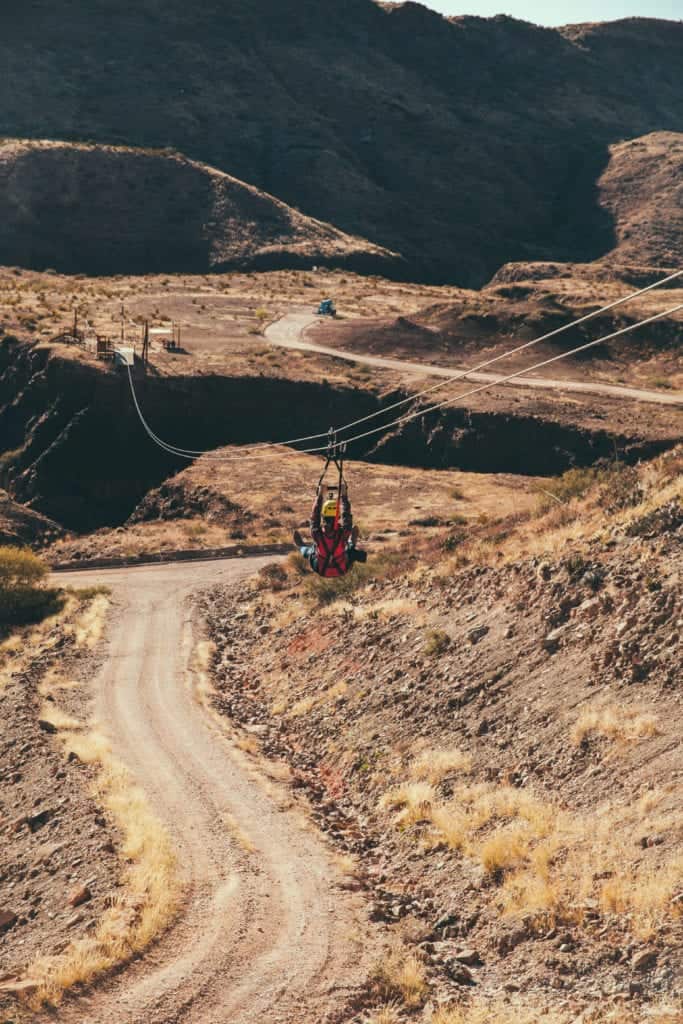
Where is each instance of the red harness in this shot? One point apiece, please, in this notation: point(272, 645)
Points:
point(332, 555)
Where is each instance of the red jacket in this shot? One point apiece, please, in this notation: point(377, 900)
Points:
point(331, 556)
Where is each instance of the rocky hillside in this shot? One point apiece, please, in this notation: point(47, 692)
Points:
point(642, 188)
point(20, 525)
point(481, 145)
point(107, 209)
point(490, 727)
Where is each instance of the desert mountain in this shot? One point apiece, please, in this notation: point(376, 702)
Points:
point(110, 209)
point(642, 188)
point(462, 144)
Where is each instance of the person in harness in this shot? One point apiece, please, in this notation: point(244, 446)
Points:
point(333, 550)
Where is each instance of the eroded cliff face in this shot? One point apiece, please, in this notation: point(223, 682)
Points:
point(73, 448)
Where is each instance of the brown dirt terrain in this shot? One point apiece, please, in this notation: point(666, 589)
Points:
point(337, 112)
point(495, 735)
point(112, 209)
point(483, 325)
point(212, 504)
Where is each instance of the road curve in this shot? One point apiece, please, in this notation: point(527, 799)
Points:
point(266, 935)
point(289, 332)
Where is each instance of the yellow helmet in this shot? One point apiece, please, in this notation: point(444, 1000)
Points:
point(329, 509)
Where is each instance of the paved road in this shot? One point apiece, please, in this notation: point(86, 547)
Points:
point(289, 332)
point(266, 934)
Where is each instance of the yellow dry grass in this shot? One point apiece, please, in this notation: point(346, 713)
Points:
point(551, 863)
point(414, 801)
point(401, 977)
point(499, 1011)
point(22, 648)
point(615, 722)
point(201, 671)
point(149, 891)
point(90, 625)
point(387, 1014)
point(433, 765)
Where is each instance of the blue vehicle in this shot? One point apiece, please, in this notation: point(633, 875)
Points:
point(326, 308)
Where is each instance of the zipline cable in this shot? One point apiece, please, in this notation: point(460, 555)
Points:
point(461, 375)
point(216, 457)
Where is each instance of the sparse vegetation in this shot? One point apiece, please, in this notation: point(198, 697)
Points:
point(615, 722)
point(434, 764)
point(149, 893)
point(437, 642)
point(273, 577)
point(23, 596)
point(401, 977)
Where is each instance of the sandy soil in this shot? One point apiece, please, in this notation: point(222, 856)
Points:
point(264, 934)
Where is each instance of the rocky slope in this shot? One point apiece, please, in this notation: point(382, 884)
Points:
point(107, 209)
point(642, 189)
point(481, 145)
point(496, 739)
point(21, 525)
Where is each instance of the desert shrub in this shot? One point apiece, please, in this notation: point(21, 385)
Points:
point(622, 489)
point(23, 596)
point(401, 977)
point(326, 591)
point(437, 642)
point(297, 564)
point(454, 539)
point(273, 577)
point(573, 483)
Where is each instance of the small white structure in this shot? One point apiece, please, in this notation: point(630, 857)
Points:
point(124, 356)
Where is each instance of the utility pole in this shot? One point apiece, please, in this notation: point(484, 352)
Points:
point(145, 344)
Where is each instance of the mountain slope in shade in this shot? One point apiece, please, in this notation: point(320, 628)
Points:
point(462, 144)
point(107, 209)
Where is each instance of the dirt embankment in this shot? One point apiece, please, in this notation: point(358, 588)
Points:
point(500, 748)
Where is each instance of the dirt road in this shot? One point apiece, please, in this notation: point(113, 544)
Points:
point(266, 935)
point(289, 332)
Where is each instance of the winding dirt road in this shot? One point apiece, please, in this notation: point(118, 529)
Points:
point(266, 934)
point(289, 332)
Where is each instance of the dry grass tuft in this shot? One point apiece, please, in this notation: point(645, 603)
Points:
point(414, 801)
point(387, 1014)
point(401, 977)
point(615, 723)
point(90, 625)
point(498, 1011)
point(549, 863)
point(435, 764)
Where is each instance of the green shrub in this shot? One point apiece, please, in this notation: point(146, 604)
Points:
point(23, 598)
